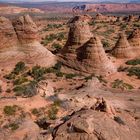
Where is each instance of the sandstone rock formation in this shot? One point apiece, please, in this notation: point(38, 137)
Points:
point(134, 40)
point(45, 89)
point(122, 48)
point(79, 33)
point(93, 125)
point(9, 53)
point(7, 34)
point(93, 58)
point(28, 49)
point(102, 18)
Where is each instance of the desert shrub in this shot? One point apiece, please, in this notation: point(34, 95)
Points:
point(134, 71)
point(121, 85)
point(10, 110)
point(59, 74)
point(27, 90)
point(101, 79)
point(35, 111)
point(57, 46)
point(70, 75)
point(110, 31)
point(10, 76)
point(93, 23)
point(19, 67)
point(37, 73)
point(105, 44)
point(88, 77)
point(123, 69)
point(20, 81)
point(52, 112)
point(8, 90)
point(14, 126)
point(136, 24)
point(53, 26)
point(58, 66)
point(133, 62)
point(60, 36)
point(119, 120)
point(123, 26)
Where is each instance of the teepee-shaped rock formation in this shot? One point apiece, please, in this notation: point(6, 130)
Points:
point(26, 29)
point(7, 34)
point(79, 33)
point(122, 48)
point(28, 48)
point(93, 58)
point(134, 40)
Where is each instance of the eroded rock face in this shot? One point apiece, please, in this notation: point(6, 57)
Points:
point(7, 34)
point(122, 48)
point(94, 59)
point(79, 33)
point(26, 29)
point(93, 125)
point(28, 49)
point(134, 40)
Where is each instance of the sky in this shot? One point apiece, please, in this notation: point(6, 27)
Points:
point(62, 0)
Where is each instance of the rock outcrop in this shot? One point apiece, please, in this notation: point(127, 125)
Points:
point(122, 48)
point(24, 44)
point(102, 18)
point(134, 40)
point(79, 33)
point(93, 58)
point(7, 34)
point(93, 125)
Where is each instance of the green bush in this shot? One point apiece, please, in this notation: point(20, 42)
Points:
point(37, 73)
point(134, 71)
point(19, 67)
point(8, 90)
point(35, 112)
point(70, 76)
point(14, 126)
point(27, 90)
point(133, 62)
point(52, 113)
point(136, 24)
point(20, 81)
point(121, 85)
point(10, 110)
point(10, 76)
point(105, 44)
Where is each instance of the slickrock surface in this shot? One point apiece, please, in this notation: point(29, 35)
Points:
point(122, 48)
point(94, 59)
point(134, 40)
point(79, 33)
point(92, 125)
point(28, 49)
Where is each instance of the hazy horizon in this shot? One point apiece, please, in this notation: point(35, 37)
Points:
point(124, 1)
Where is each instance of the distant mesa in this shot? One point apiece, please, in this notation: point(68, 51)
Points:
point(122, 48)
point(17, 10)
